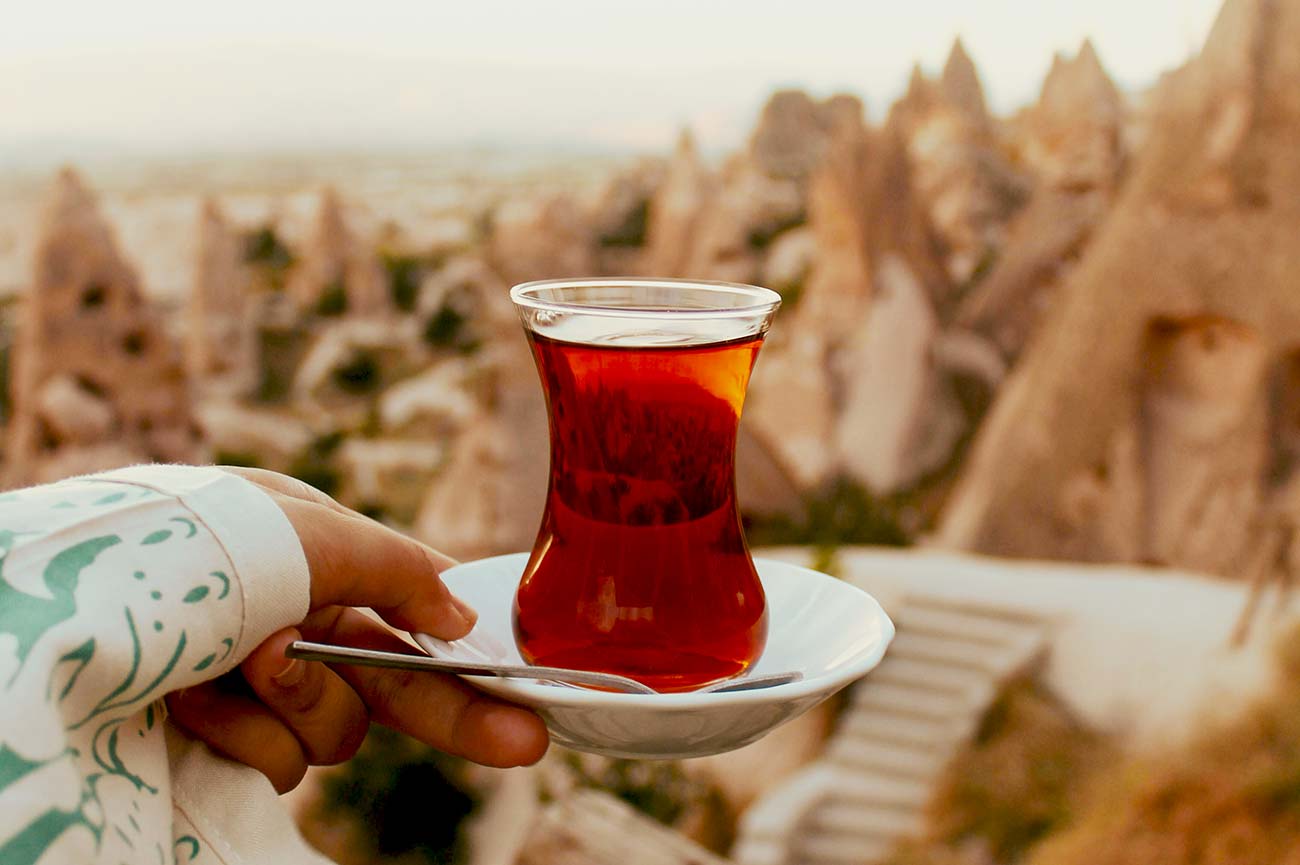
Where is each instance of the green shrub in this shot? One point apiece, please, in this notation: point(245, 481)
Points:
point(409, 799)
point(263, 246)
point(1230, 797)
point(246, 459)
point(842, 512)
point(761, 236)
point(360, 375)
point(315, 465)
point(1021, 777)
point(632, 230)
point(333, 299)
point(404, 275)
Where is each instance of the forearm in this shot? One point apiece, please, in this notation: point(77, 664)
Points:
point(115, 590)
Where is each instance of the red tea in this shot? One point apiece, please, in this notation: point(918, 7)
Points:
point(640, 567)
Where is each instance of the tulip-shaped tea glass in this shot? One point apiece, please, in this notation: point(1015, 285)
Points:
point(640, 566)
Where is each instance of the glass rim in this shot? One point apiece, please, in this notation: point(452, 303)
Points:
point(764, 300)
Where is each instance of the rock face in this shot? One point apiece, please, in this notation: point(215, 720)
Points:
point(748, 210)
point(790, 409)
point(97, 381)
point(960, 85)
point(871, 229)
point(541, 239)
point(465, 303)
point(464, 511)
point(620, 217)
point(895, 423)
point(488, 498)
point(1072, 140)
point(967, 186)
point(220, 325)
point(794, 130)
point(838, 285)
point(352, 361)
point(338, 273)
point(676, 211)
point(1145, 400)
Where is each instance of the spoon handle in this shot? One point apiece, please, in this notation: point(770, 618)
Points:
point(309, 651)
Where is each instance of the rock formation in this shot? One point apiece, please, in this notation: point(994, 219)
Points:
point(1143, 395)
point(97, 382)
point(465, 303)
point(790, 409)
point(464, 512)
point(351, 362)
point(1072, 140)
point(896, 422)
point(544, 238)
point(620, 217)
point(220, 326)
point(960, 85)
point(967, 186)
point(748, 211)
point(386, 476)
point(676, 210)
point(838, 285)
point(794, 130)
point(337, 272)
point(488, 497)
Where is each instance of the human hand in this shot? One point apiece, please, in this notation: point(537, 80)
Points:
point(288, 714)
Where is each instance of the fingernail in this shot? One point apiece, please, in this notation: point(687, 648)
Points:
point(291, 674)
point(466, 611)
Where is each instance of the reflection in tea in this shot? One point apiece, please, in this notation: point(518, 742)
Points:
point(640, 567)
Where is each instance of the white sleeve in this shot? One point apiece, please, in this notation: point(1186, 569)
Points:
point(114, 590)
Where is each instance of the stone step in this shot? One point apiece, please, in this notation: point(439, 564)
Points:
point(906, 700)
point(877, 791)
point(864, 755)
point(976, 607)
point(880, 727)
point(996, 661)
point(760, 851)
point(974, 626)
point(931, 675)
point(850, 818)
point(836, 850)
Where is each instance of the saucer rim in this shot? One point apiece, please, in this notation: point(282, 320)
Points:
point(833, 679)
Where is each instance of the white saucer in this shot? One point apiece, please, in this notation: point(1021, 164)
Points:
point(825, 628)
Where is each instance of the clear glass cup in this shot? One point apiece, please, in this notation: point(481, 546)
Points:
point(640, 567)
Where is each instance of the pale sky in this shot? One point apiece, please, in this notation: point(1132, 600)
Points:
point(180, 75)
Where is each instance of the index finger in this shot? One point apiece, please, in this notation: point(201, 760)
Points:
point(356, 562)
point(439, 710)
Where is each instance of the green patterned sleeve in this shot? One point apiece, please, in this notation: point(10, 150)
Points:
point(115, 590)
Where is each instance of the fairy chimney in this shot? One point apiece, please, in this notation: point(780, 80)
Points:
point(792, 131)
point(1192, 276)
point(97, 381)
point(960, 85)
point(676, 211)
point(966, 184)
point(542, 238)
point(838, 285)
point(489, 497)
point(337, 273)
point(896, 422)
point(1072, 140)
point(220, 331)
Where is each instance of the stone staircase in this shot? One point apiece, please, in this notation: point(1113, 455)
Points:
point(903, 723)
